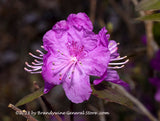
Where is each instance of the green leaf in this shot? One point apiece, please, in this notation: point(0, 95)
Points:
point(152, 17)
point(148, 5)
point(104, 91)
point(30, 97)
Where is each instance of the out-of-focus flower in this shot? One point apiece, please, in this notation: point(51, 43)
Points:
point(156, 83)
point(74, 53)
point(155, 62)
point(144, 39)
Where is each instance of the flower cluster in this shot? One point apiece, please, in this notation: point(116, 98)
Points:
point(74, 53)
point(155, 64)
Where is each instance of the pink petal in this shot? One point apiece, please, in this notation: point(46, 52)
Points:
point(54, 67)
point(96, 62)
point(103, 38)
point(112, 46)
point(77, 88)
point(80, 20)
point(61, 25)
point(54, 43)
point(111, 76)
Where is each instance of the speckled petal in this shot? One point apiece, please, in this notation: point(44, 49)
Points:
point(53, 68)
point(78, 88)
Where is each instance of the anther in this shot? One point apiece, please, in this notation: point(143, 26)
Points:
point(110, 44)
point(40, 52)
point(37, 64)
point(24, 111)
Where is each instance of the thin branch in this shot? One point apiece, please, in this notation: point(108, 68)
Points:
point(23, 113)
point(101, 105)
point(92, 108)
point(152, 47)
point(45, 103)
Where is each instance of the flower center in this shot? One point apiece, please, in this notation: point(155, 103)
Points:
point(74, 59)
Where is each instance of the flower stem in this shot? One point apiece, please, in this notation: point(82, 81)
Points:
point(140, 106)
point(46, 103)
point(101, 106)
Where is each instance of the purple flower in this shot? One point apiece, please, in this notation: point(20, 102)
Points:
point(156, 83)
point(144, 39)
point(74, 53)
point(155, 62)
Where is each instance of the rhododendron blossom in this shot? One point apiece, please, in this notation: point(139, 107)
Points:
point(74, 53)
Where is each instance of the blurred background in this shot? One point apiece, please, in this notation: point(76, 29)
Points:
point(22, 26)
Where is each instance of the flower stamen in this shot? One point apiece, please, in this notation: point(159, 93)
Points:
point(35, 56)
point(41, 53)
point(116, 67)
point(36, 66)
point(119, 63)
point(118, 58)
point(73, 59)
point(110, 48)
point(114, 50)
